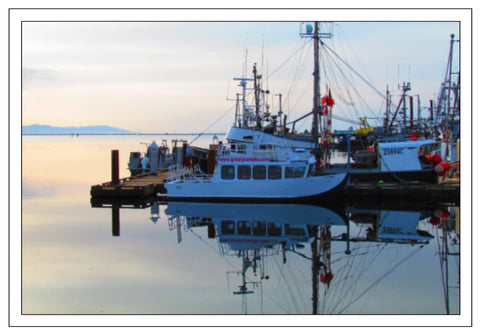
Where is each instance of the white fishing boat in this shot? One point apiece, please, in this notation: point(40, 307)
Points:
point(398, 157)
point(254, 173)
point(396, 161)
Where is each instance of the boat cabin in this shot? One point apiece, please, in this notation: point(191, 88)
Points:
point(395, 156)
point(238, 161)
point(403, 156)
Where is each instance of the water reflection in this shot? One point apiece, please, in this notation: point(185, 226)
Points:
point(349, 251)
point(117, 204)
point(255, 232)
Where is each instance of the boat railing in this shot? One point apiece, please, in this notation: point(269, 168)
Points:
point(273, 154)
point(181, 173)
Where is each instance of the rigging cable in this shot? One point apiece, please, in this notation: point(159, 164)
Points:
point(287, 60)
point(441, 252)
point(288, 287)
point(205, 130)
point(354, 71)
point(362, 100)
point(388, 272)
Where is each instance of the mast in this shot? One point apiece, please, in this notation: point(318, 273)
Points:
point(387, 111)
point(315, 270)
point(316, 87)
point(257, 96)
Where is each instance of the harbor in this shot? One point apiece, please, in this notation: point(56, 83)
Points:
point(262, 158)
point(309, 188)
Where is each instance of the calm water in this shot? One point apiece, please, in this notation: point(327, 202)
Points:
point(200, 259)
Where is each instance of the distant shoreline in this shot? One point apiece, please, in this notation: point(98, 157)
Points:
point(127, 134)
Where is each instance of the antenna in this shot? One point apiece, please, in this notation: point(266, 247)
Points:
point(325, 29)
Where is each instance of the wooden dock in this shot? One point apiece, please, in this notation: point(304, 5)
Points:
point(441, 192)
point(140, 186)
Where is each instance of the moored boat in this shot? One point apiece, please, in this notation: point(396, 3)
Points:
point(255, 173)
point(397, 161)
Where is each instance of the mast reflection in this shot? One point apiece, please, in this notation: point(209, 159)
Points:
point(256, 232)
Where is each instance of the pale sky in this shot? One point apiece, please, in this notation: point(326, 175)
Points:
point(176, 76)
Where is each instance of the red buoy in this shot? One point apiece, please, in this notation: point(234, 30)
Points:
point(440, 170)
point(446, 166)
point(441, 212)
point(436, 159)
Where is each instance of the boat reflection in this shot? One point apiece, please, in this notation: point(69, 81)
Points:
point(257, 232)
point(339, 253)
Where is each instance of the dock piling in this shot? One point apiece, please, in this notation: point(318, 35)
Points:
point(115, 167)
point(115, 220)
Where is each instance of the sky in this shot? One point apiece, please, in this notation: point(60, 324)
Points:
point(160, 76)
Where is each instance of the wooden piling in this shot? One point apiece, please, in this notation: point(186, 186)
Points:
point(115, 220)
point(115, 167)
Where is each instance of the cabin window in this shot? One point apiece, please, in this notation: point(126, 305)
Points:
point(228, 227)
point(244, 227)
point(295, 171)
point(259, 172)
point(265, 147)
point(242, 148)
point(274, 172)
point(228, 172)
point(244, 172)
point(291, 230)
point(259, 228)
point(274, 229)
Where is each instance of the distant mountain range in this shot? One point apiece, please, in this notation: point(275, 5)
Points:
point(47, 129)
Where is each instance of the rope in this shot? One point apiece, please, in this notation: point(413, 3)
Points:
point(204, 131)
point(354, 71)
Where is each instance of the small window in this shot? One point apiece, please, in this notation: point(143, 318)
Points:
point(244, 172)
point(259, 228)
point(244, 227)
point(292, 230)
point(259, 172)
point(295, 171)
point(228, 227)
point(242, 148)
point(274, 172)
point(228, 172)
point(274, 229)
